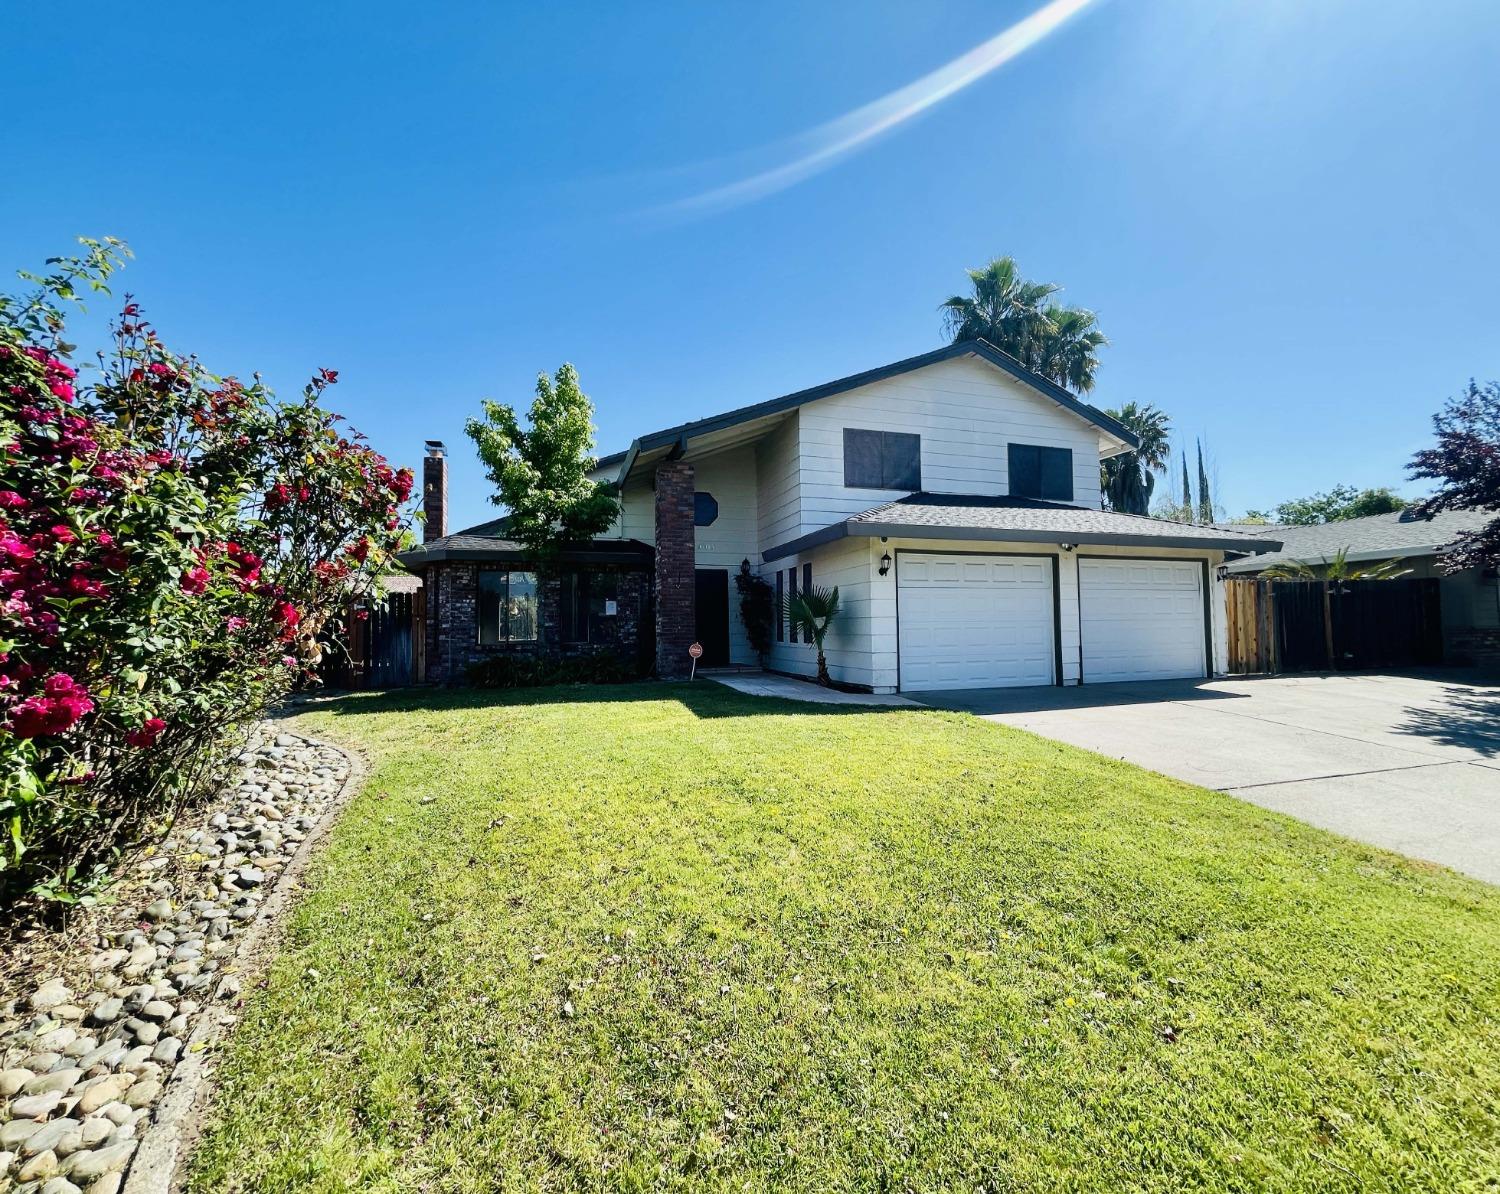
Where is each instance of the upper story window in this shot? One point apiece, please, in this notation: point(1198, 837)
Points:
point(1045, 473)
point(882, 459)
point(507, 606)
point(705, 509)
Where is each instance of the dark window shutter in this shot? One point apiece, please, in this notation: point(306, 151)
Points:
point(1057, 474)
point(1025, 471)
point(780, 606)
point(901, 464)
point(806, 577)
point(862, 458)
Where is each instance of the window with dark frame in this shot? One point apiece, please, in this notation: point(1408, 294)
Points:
point(507, 606)
point(882, 459)
point(1038, 472)
point(807, 578)
point(586, 600)
point(705, 509)
point(780, 606)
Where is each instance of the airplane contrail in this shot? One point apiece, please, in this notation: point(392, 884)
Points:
point(821, 147)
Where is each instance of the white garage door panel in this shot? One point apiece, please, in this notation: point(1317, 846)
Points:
point(974, 621)
point(1141, 619)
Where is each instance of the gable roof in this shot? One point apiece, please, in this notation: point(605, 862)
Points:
point(1019, 520)
point(1378, 537)
point(983, 349)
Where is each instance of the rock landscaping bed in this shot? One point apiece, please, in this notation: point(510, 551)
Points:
point(101, 1059)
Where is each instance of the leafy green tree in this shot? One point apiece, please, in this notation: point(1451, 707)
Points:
point(1014, 314)
point(1339, 503)
point(1128, 480)
point(813, 612)
point(541, 472)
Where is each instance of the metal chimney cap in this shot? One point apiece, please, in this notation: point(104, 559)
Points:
point(435, 448)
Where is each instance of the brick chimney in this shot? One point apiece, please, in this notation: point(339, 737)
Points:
point(676, 582)
point(435, 491)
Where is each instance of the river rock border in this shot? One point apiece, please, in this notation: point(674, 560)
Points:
point(106, 1066)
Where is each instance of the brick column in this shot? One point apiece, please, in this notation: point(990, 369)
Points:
point(676, 604)
point(435, 491)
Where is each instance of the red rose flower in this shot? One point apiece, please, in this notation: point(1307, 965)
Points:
point(146, 733)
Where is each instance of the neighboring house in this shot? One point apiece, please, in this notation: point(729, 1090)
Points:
point(1470, 598)
point(953, 498)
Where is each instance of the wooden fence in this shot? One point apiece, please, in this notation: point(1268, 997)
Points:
point(1314, 625)
point(378, 643)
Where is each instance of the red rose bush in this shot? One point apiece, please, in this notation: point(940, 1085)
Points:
point(171, 545)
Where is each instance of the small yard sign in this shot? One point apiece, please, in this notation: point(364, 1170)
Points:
point(696, 652)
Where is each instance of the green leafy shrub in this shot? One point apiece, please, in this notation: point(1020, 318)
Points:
point(171, 543)
point(529, 671)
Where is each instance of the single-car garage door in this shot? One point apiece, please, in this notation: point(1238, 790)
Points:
point(974, 621)
point(1141, 619)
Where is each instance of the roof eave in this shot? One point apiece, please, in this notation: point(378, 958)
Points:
point(910, 530)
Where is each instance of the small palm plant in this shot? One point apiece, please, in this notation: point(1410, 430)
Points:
point(813, 611)
point(1337, 569)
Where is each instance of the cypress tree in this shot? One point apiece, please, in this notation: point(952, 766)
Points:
point(1205, 499)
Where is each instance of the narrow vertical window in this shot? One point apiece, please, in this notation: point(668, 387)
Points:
point(780, 607)
point(807, 578)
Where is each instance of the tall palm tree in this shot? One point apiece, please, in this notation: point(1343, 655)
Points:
point(1003, 307)
point(1014, 314)
point(1067, 349)
point(1128, 480)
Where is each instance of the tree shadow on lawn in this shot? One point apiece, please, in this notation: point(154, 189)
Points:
point(702, 698)
point(1468, 718)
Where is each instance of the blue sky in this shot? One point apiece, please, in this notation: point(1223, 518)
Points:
point(1282, 210)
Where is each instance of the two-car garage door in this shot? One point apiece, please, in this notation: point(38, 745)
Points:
point(987, 621)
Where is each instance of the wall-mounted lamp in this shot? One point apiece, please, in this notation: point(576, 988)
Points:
point(885, 563)
point(1068, 546)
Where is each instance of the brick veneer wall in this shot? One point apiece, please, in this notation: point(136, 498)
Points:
point(453, 644)
point(676, 593)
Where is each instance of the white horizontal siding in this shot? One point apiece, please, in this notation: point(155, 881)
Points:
point(966, 412)
point(847, 564)
point(778, 484)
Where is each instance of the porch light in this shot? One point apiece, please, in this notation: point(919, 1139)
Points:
point(885, 563)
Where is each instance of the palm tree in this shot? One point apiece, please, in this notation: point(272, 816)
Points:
point(1128, 480)
point(1003, 308)
point(1337, 569)
point(812, 611)
point(1013, 314)
point(1067, 349)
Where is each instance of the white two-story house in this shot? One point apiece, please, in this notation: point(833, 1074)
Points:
point(952, 497)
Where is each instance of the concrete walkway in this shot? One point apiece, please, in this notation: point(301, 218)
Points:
point(1411, 763)
point(766, 684)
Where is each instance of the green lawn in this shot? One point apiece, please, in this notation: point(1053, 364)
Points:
point(672, 937)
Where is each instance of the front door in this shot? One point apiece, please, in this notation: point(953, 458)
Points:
point(713, 616)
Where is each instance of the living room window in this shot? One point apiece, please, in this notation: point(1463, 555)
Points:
point(507, 606)
point(589, 601)
point(882, 459)
point(1038, 472)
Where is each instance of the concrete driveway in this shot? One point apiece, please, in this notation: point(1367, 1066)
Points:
point(1411, 763)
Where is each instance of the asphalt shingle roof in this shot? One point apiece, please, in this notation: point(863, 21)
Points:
point(1029, 520)
point(1379, 536)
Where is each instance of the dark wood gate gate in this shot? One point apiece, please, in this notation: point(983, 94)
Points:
point(376, 644)
point(1352, 625)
